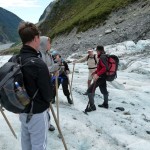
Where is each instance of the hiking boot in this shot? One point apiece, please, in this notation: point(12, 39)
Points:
point(51, 128)
point(90, 108)
point(69, 100)
point(104, 106)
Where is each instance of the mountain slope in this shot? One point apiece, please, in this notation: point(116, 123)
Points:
point(98, 22)
point(46, 12)
point(8, 26)
point(66, 14)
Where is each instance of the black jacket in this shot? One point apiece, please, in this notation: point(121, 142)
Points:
point(66, 68)
point(36, 77)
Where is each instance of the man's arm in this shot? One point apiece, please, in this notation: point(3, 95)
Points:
point(103, 68)
point(55, 67)
point(81, 60)
point(44, 82)
point(98, 72)
point(66, 67)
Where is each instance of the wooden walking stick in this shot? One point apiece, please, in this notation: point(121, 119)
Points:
point(57, 101)
point(72, 76)
point(70, 89)
point(8, 123)
point(58, 127)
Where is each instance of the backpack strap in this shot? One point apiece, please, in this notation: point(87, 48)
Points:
point(25, 65)
point(30, 114)
point(95, 59)
point(92, 57)
point(27, 61)
point(104, 58)
point(88, 57)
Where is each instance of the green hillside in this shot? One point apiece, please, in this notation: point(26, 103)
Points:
point(8, 26)
point(66, 14)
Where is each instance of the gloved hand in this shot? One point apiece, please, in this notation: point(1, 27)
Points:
point(62, 68)
point(74, 62)
point(56, 67)
point(67, 72)
point(95, 77)
point(93, 73)
point(56, 74)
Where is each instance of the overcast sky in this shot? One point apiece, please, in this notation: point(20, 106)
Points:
point(27, 10)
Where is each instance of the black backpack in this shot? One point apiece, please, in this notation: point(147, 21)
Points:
point(13, 96)
point(111, 62)
point(93, 57)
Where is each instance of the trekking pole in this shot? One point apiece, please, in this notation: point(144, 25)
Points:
point(8, 123)
point(72, 77)
point(70, 89)
point(57, 101)
point(58, 127)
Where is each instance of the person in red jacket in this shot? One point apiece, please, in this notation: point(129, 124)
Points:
point(99, 77)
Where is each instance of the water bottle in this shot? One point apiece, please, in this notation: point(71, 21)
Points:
point(22, 95)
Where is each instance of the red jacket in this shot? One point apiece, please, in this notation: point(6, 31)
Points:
point(101, 68)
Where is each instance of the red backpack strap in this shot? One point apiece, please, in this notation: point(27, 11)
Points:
point(88, 57)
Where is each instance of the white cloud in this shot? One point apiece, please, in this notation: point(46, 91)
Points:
point(19, 3)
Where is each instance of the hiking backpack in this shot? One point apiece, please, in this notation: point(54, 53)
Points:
point(93, 57)
point(111, 64)
point(13, 96)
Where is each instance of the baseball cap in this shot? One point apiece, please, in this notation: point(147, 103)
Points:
point(90, 50)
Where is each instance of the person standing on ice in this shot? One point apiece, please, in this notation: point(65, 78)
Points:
point(92, 61)
point(99, 77)
point(44, 48)
point(35, 118)
point(63, 76)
